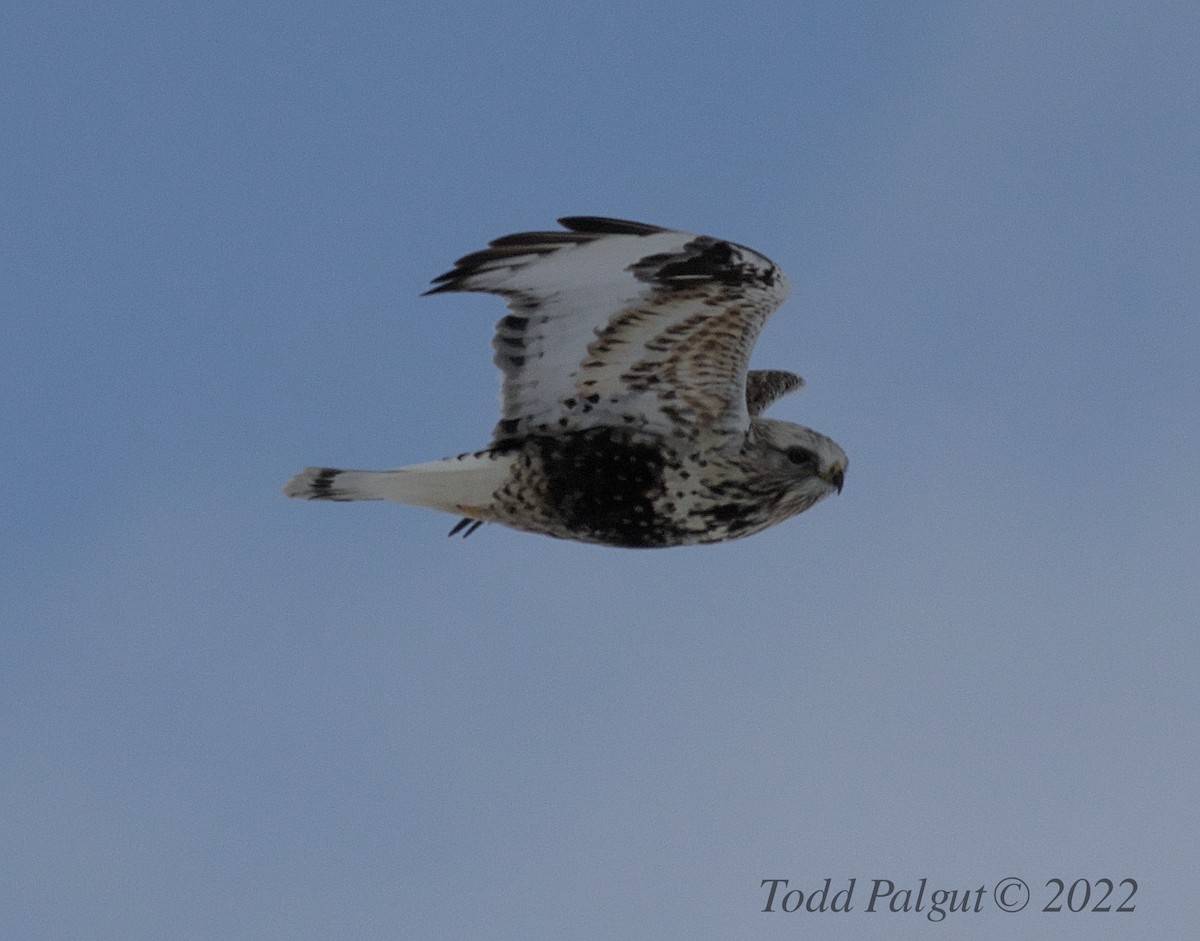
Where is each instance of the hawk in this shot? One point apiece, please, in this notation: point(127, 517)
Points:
point(629, 416)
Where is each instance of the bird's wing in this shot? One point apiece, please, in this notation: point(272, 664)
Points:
point(622, 324)
point(764, 386)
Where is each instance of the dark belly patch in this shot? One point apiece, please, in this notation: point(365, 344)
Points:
point(605, 483)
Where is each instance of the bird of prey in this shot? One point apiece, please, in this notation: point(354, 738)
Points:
point(629, 416)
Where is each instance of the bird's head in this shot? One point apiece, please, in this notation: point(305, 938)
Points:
point(808, 464)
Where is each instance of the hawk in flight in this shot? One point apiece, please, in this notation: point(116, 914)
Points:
point(629, 416)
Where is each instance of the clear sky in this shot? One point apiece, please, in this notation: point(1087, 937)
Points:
point(225, 714)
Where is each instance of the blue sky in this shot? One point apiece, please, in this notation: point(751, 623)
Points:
point(230, 715)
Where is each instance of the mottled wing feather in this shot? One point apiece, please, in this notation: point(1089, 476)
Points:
point(622, 323)
point(764, 386)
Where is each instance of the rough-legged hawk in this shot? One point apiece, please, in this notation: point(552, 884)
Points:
point(629, 415)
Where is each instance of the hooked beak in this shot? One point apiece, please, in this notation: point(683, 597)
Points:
point(836, 477)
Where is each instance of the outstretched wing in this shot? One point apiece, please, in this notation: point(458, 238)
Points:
point(764, 386)
point(622, 324)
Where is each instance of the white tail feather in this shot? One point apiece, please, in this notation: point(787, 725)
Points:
point(463, 484)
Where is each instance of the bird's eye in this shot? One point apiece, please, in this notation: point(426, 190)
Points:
point(802, 457)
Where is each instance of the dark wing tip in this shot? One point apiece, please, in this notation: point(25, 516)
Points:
point(601, 225)
point(440, 286)
point(581, 229)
